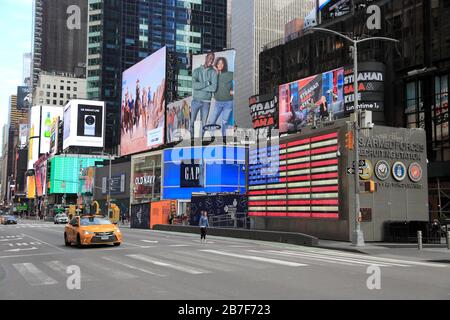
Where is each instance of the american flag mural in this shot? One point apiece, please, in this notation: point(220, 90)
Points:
point(298, 179)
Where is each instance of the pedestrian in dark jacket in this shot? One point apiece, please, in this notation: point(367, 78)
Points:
point(204, 223)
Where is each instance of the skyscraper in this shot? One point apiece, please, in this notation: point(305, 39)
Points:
point(255, 24)
point(59, 37)
point(123, 33)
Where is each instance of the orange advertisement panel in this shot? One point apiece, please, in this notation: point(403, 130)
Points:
point(160, 212)
point(31, 183)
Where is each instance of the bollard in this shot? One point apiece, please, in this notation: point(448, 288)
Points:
point(419, 239)
point(448, 240)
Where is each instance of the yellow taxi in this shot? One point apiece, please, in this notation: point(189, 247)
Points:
point(91, 230)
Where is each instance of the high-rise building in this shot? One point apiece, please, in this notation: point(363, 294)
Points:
point(57, 90)
point(59, 37)
point(120, 34)
point(255, 24)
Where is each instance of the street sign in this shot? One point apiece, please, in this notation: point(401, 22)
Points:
point(362, 163)
point(352, 171)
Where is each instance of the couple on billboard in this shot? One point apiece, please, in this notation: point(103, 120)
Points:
point(212, 80)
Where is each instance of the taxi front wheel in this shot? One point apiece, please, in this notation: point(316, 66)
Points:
point(79, 242)
point(65, 240)
point(117, 244)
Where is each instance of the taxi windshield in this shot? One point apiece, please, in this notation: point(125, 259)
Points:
point(94, 221)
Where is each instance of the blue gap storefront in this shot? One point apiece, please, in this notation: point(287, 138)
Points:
point(210, 169)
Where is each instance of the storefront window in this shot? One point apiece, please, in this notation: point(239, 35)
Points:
point(146, 184)
point(415, 116)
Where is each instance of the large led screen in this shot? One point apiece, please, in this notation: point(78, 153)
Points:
point(143, 104)
point(314, 98)
point(49, 115)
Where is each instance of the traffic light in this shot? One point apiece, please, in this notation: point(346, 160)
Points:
point(349, 143)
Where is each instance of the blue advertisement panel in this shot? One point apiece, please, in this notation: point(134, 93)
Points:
point(222, 170)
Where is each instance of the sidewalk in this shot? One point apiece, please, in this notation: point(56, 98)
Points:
point(430, 252)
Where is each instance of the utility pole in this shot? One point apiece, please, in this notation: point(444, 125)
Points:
point(358, 236)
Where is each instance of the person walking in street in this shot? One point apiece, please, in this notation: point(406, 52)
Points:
point(204, 223)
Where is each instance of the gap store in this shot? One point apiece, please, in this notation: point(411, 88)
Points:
point(207, 169)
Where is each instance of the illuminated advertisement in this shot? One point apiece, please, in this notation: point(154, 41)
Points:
point(213, 92)
point(65, 173)
point(264, 111)
point(319, 97)
point(84, 124)
point(146, 179)
point(23, 98)
point(24, 130)
point(143, 104)
point(40, 170)
point(35, 128)
point(213, 169)
point(286, 182)
point(179, 120)
point(48, 116)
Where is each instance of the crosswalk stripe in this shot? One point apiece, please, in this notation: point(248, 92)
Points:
point(111, 272)
point(133, 267)
point(160, 263)
point(256, 258)
point(328, 258)
point(215, 265)
point(387, 260)
point(33, 275)
point(61, 268)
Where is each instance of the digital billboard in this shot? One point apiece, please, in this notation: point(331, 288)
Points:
point(35, 128)
point(23, 98)
point(179, 120)
point(314, 98)
point(264, 111)
point(213, 91)
point(65, 173)
point(84, 124)
point(48, 116)
point(143, 104)
point(24, 130)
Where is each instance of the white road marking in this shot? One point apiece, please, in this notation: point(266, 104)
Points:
point(61, 268)
point(133, 267)
point(255, 258)
point(111, 272)
point(150, 260)
point(5, 240)
point(179, 245)
point(33, 275)
point(337, 259)
point(150, 241)
point(19, 250)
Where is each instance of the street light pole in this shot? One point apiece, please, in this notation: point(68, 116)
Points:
point(358, 235)
point(109, 185)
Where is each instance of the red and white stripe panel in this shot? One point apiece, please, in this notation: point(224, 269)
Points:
point(308, 185)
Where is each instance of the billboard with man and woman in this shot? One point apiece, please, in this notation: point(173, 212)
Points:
point(211, 107)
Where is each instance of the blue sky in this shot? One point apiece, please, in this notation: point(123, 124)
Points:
point(15, 30)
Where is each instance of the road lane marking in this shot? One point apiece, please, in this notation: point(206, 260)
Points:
point(160, 263)
point(48, 244)
point(179, 245)
point(109, 271)
point(19, 250)
point(33, 275)
point(256, 258)
point(150, 241)
point(134, 267)
point(328, 258)
point(61, 268)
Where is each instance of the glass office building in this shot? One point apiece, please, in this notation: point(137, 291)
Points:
point(122, 33)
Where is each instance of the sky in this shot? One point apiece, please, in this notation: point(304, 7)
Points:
point(15, 40)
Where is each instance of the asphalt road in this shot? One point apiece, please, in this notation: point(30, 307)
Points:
point(170, 266)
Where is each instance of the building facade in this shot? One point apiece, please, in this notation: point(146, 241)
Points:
point(122, 33)
point(58, 89)
point(59, 37)
point(255, 24)
point(417, 69)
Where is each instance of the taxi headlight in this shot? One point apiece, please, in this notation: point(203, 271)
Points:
point(89, 233)
point(118, 231)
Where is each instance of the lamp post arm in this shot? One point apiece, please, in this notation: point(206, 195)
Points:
point(377, 38)
point(333, 32)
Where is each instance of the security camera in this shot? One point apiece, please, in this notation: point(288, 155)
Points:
point(89, 125)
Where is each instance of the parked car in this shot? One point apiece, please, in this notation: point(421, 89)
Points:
point(61, 218)
point(9, 220)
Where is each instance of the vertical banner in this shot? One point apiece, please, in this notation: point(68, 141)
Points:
point(140, 216)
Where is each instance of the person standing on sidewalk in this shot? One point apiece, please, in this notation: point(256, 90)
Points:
point(204, 223)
